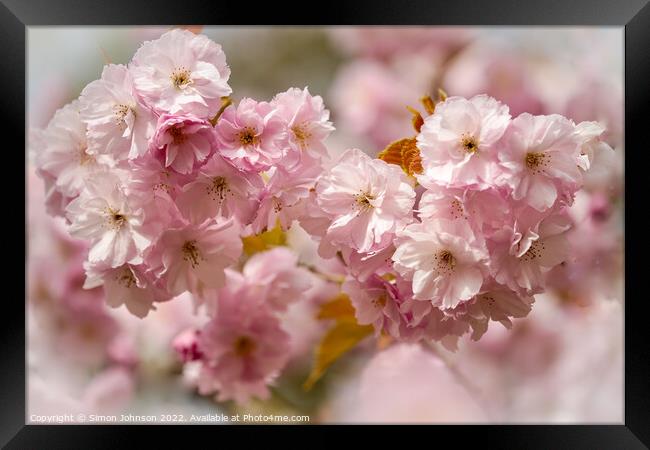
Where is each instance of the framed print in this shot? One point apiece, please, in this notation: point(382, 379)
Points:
point(406, 214)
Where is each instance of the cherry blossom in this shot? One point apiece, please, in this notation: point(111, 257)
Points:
point(443, 259)
point(181, 73)
point(306, 124)
point(118, 123)
point(367, 200)
point(458, 142)
point(104, 215)
point(64, 155)
point(182, 142)
point(542, 156)
point(128, 285)
point(243, 348)
point(220, 189)
point(249, 135)
point(242, 214)
point(193, 256)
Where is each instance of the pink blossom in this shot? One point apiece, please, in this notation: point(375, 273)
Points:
point(520, 254)
point(277, 276)
point(249, 135)
point(306, 124)
point(498, 304)
point(193, 257)
point(367, 199)
point(364, 265)
point(541, 155)
point(65, 155)
point(243, 347)
point(594, 267)
point(315, 221)
point(485, 210)
point(443, 259)
point(186, 344)
point(375, 304)
point(73, 321)
point(118, 124)
point(181, 73)
point(104, 215)
point(590, 134)
point(127, 285)
point(458, 141)
point(183, 142)
point(221, 190)
point(283, 200)
point(436, 324)
point(154, 188)
point(55, 201)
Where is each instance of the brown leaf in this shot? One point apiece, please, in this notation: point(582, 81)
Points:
point(339, 308)
point(417, 119)
point(342, 337)
point(411, 159)
point(338, 340)
point(405, 154)
point(392, 154)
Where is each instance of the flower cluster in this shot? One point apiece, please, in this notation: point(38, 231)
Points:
point(244, 347)
point(162, 176)
point(466, 233)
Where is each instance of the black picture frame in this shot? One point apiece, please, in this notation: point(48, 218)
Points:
point(633, 15)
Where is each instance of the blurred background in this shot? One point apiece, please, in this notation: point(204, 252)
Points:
point(562, 364)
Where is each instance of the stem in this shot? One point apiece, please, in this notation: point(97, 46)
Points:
point(225, 102)
point(333, 278)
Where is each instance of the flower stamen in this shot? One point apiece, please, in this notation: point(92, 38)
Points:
point(277, 204)
point(191, 253)
point(445, 261)
point(363, 201)
point(536, 162)
point(534, 252)
point(115, 219)
point(248, 137)
point(469, 143)
point(301, 134)
point(244, 346)
point(120, 112)
point(379, 302)
point(126, 278)
point(180, 77)
point(219, 188)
